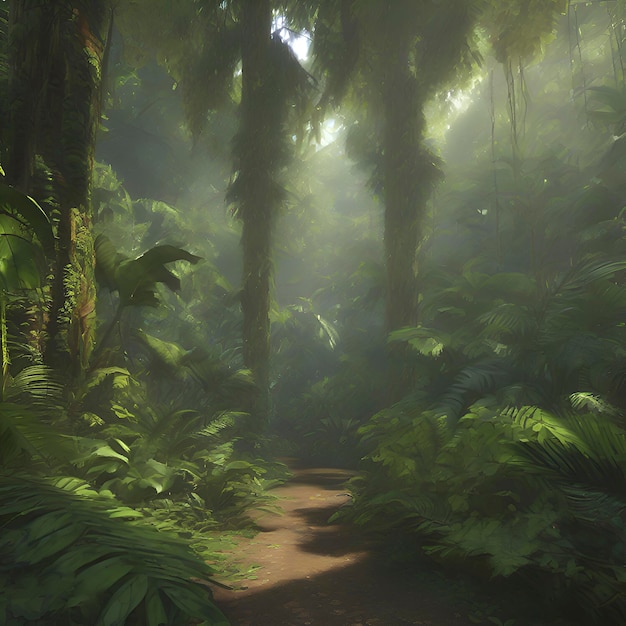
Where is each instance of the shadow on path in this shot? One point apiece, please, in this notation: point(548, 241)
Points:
point(358, 594)
point(315, 573)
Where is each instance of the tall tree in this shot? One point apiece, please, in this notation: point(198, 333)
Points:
point(57, 52)
point(255, 190)
point(272, 85)
point(395, 56)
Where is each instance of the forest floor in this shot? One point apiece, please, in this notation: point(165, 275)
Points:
point(307, 571)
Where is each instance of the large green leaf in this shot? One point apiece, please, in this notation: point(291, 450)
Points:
point(160, 255)
point(191, 602)
point(427, 341)
point(50, 534)
point(124, 601)
point(21, 260)
point(167, 353)
point(31, 214)
point(99, 577)
point(610, 96)
point(107, 261)
point(24, 435)
point(155, 611)
point(136, 279)
point(111, 568)
point(73, 561)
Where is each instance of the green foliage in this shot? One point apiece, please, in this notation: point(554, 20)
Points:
point(30, 214)
point(521, 492)
point(50, 527)
point(612, 109)
point(205, 293)
point(165, 439)
point(177, 466)
point(334, 441)
point(224, 386)
point(23, 258)
point(329, 378)
point(519, 30)
point(27, 434)
point(510, 450)
point(531, 344)
point(135, 279)
point(73, 557)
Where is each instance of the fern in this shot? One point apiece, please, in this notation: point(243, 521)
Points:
point(472, 382)
point(71, 556)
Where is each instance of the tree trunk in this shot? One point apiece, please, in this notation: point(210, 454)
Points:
point(72, 326)
point(405, 200)
point(256, 195)
point(29, 64)
point(57, 49)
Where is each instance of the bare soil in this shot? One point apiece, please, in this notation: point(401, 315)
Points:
point(313, 572)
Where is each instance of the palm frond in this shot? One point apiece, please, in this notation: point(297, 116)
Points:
point(508, 320)
point(472, 382)
point(35, 385)
point(572, 284)
point(26, 439)
point(585, 450)
point(67, 555)
point(591, 402)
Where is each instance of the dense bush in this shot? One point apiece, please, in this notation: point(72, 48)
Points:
point(511, 450)
point(72, 556)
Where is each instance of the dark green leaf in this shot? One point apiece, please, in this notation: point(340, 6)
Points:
point(32, 214)
point(124, 601)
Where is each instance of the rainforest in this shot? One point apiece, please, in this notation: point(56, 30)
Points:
point(312, 312)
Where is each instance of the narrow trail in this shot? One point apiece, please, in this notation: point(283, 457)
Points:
point(318, 574)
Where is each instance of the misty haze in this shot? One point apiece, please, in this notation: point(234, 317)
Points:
point(312, 313)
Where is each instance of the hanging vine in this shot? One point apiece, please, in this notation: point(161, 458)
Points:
point(576, 49)
point(496, 198)
point(616, 41)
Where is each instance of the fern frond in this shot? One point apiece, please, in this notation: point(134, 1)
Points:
point(473, 382)
point(588, 401)
point(593, 454)
point(509, 320)
point(35, 385)
point(90, 562)
point(26, 438)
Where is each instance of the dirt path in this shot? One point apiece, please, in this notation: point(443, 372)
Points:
point(315, 573)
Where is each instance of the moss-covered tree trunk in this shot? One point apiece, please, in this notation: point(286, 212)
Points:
point(421, 48)
point(72, 318)
point(57, 52)
point(256, 194)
